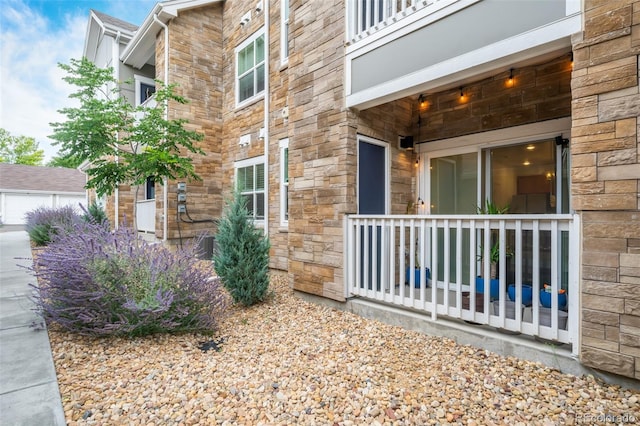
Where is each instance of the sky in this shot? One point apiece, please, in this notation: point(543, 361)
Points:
point(36, 35)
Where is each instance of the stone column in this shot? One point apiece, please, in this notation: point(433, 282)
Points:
point(605, 175)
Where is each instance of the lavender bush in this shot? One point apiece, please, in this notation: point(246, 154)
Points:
point(45, 223)
point(97, 282)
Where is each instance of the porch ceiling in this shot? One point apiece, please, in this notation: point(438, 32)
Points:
point(440, 82)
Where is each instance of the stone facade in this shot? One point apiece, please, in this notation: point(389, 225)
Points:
point(605, 182)
point(195, 58)
point(306, 105)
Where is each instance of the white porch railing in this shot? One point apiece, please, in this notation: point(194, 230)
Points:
point(447, 253)
point(365, 17)
point(146, 215)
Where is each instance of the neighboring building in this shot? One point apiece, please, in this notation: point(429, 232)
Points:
point(26, 188)
point(365, 135)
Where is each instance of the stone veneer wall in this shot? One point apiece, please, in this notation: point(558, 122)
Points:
point(321, 159)
point(605, 183)
point(537, 93)
point(195, 65)
point(323, 148)
point(250, 118)
point(125, 207)
point(278, 129)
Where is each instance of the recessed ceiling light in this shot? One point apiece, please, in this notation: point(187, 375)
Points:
point(526, 163)
point(530, 147)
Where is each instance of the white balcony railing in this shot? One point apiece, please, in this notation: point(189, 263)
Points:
point(146, 215)
point(447, 254)
point(364, 17)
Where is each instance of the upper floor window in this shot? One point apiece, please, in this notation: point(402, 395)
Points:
point(250, 184)
point(284, 181)
point(284, 31)
point(250, 57)
point(145, 88)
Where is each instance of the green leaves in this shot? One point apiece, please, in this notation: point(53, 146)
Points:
point(124, 144)
point(242, 258)
point(19, 150)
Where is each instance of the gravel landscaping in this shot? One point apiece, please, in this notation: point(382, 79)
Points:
point(287, 361)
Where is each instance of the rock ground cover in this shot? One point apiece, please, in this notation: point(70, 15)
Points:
point(287, 361)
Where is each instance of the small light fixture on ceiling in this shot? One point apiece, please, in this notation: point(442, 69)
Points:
point(531, 147)
point(526, 163)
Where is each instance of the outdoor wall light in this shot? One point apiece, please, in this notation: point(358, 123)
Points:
point(422, 101)
point(461, 93)
point(510, 81)
point(417, 163)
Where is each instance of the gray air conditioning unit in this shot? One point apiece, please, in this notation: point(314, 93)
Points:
point(207, 247)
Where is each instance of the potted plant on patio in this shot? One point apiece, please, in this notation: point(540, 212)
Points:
point(545, 297)
point(416, 270)
point(494, 254)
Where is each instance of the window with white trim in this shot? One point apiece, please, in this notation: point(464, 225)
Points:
point(284, 181)
point(145, 88)
point(150, 189)
point(284, 31)
point(250, 66)
point(250, 184)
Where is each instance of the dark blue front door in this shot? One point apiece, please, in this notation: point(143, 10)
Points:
point(371, 178)
point(371, 200)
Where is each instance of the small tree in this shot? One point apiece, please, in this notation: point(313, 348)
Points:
point(19, 150)
point(242, 257)
point(123, 144)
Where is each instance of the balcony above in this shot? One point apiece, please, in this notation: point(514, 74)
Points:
point(418, 46)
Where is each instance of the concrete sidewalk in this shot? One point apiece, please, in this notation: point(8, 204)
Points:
point(29, 393)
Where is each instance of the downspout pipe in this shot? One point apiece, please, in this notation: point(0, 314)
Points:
point(165, 189)
point(116, 75)
point(266, 117)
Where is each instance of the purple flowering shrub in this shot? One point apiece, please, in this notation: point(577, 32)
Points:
point(45, 223)
point(99, 282)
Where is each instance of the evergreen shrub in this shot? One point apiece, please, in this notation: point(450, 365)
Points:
point(94, 213)
point(242, 256)
point(99, 282)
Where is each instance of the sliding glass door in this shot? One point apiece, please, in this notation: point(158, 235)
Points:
point(454, 188)
point(526, 178)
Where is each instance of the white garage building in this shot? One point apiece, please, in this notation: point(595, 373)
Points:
point(25, 188)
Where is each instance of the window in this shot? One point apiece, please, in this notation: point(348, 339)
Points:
point(250, 57)
point(145, 88)
point(284, 181)
point(250, 184)
point(150, 189)
point(508, 167)
point(284, 31)
point(523, 177)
